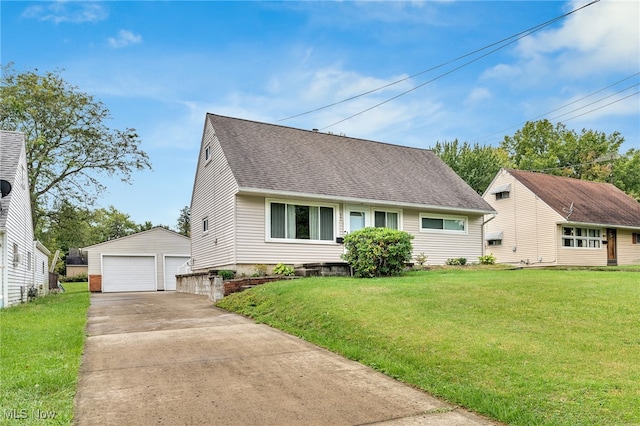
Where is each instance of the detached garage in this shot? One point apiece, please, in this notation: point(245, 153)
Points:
point(146, 261)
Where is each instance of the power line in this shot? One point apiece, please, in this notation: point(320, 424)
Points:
point(564, 106)
point(603, 106)
point(515, 38)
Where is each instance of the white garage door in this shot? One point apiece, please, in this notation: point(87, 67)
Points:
point(128, 273)
point(171, 265)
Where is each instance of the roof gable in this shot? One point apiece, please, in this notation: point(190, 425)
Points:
point(273, 158)
point(588, 202)
point(12, 146)
point(142, 234)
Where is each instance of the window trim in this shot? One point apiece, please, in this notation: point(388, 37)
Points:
point(586, 238)
point(267, 221)
point(207, 154)
point(502, 195)
point(443, 217)
point(205, 225)
point(374, 210)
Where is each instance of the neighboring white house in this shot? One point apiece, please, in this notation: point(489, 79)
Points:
point(553, 220)
point(266, 194)
point(146, 261)
point(21, 257)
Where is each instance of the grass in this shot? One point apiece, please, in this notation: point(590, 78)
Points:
point(526, 347)
point(40, 349)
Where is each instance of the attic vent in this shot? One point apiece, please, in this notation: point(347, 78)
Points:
point(315, 130)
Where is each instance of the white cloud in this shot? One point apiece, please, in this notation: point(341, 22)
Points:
point(67, 11)
point(478, 94)
point(604, 36)
point(124, 38)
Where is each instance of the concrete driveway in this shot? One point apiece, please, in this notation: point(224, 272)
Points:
point(174, 359)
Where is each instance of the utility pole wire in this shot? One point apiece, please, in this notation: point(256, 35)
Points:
point(517, 37)
point(559, 108)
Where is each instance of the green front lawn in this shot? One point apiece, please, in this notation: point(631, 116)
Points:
point(41, 345)
point(526, 347)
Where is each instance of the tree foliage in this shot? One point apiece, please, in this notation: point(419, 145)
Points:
point(69, 145)
point(544, 147)
point(476, 165)
point(184, 221)
point(541, 146)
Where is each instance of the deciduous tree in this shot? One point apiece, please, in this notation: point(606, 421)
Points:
point(69, 144)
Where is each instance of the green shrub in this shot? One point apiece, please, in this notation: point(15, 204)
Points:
point(80, 278)
point(282, 269)
point(421, 259)
point(260, 270)
point(458, 261)
point(227, 274)
point(376, 252)
point(487, 259)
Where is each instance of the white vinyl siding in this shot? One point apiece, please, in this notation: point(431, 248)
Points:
point(253, 246)
point(19, 232)
point(128, 273)
point(157, 242)
point(171, 266)
point(213, 197)
point(440, 246)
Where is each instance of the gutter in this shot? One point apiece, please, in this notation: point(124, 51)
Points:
point(353, 200)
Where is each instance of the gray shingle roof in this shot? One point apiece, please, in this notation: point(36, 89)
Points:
point(275, 158)
point(11, 144)
point(593, 202)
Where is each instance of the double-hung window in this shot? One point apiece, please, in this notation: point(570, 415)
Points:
point(442, 223)
point(581, 237)
point(291, 221)
point(386, 219)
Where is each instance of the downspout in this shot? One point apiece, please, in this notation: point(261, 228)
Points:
point(483, 224)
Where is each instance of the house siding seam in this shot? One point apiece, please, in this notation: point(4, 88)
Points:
point(213, 197)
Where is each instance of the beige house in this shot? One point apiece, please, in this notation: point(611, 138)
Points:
point(268, 194)
point(553, 220)
point(146, 261)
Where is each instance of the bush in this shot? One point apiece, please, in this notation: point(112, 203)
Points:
point(376, 252)
point(80, 278)
point(260, 270)
point(226, 274)
point(488, 259)
point(421, 259)
point(282, 269)
point(458, 261)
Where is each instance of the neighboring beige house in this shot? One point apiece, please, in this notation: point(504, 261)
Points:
point(268, 194)
point(552, 220)
point(146, 261)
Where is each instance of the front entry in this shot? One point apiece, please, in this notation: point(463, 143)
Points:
point(612, 256)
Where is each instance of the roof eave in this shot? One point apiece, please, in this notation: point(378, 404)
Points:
point(600, 225)
point(354, 200)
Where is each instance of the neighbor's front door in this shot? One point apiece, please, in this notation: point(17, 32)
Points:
point(612, 257)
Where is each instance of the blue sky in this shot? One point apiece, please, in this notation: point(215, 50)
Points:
point(161, 66)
